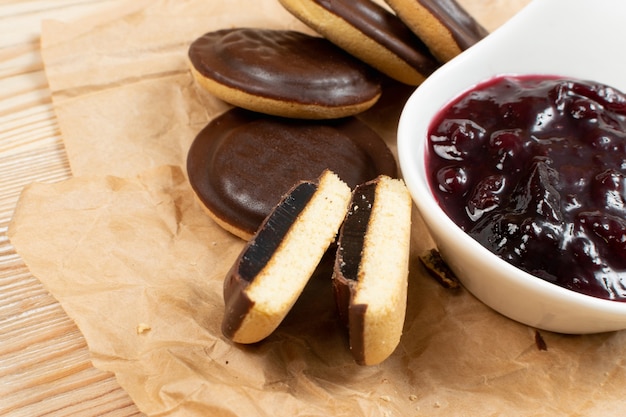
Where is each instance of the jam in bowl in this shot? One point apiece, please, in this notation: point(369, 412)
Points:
point(526, 209)
point(534, 168)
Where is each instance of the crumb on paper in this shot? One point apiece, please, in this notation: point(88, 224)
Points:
point(385, 398)
point(412, 397)
point(438, 269)
point(540, 342)
point(143, 328)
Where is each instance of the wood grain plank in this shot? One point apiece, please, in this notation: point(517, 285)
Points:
point(45, 369)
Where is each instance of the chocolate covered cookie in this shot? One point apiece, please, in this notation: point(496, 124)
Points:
point(243, 162)
point(369, 32)
point(444, 25)
point(283, 73)
point(370, 276)
point(276, 264)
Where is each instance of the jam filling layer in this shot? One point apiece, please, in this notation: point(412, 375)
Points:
point(271, 235)
point(354, 230)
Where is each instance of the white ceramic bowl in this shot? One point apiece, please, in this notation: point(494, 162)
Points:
point(576, 38)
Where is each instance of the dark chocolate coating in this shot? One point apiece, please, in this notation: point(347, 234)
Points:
point(258, 252)
point(386, 29)
point(236, 302)
point(271, 234)
point(357, 329)
point(284, 65)
point(465, 30)
point(353, 231)
point(242, 163)
point(347, 264)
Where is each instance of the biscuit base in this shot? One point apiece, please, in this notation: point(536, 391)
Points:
point(355, 42)
point(429, 29)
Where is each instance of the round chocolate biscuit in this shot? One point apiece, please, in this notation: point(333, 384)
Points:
point(283, 73)
point(242, 163)
point(369, 32)
point(444, 25)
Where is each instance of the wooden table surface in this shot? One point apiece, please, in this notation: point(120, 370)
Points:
point(44, 362)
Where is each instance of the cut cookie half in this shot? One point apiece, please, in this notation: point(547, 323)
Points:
point(276, 264)
point(370, 276)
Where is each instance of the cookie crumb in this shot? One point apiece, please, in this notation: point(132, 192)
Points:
point(143, 328)
point(438, 269)
point(412, 397)
point(385, 398)
point(541, 344)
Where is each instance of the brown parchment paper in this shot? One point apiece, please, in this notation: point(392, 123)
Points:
point(137, 264)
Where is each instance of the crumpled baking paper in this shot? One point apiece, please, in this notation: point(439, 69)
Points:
point(135, 261)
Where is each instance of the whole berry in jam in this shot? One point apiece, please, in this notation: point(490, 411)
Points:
point(534, 168)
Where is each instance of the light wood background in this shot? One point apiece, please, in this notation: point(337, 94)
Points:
point(44, 362)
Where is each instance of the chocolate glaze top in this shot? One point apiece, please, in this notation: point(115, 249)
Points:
point(386, 29)
point(465, 30)
point(284, 65)
point(242, 163)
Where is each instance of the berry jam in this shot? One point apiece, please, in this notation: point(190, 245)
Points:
point(534, 169)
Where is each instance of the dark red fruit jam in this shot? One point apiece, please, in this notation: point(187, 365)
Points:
point(534, 169)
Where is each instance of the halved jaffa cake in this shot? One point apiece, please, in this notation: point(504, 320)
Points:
point(370, 276)
point(276, 264)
